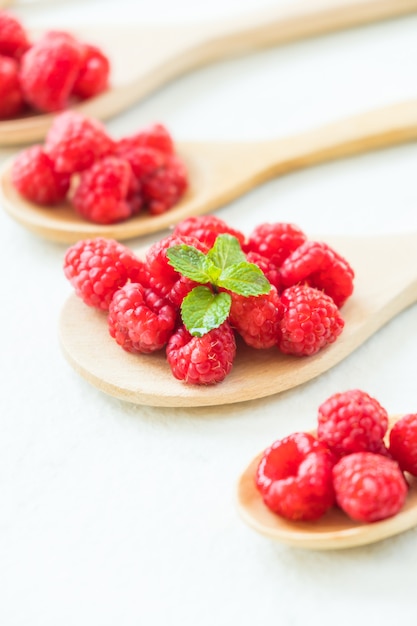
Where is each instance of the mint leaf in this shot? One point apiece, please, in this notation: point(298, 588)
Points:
point(245, 279)
point(202, 310)
point(189, 262)
point(226, 251)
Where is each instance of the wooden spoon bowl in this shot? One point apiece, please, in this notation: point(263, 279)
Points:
point(163, 53)
point(223, 171)
point(333, 531)
point(385, 284)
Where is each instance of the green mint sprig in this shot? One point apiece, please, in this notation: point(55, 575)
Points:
point(224, 266)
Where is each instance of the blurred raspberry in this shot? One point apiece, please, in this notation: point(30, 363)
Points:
point(97, 268)
point(165, 186)
point(295, 478)
point(14, 40)
point(369, 487)
point(352, 421)
point(11, 97)
point(316, 264)
point(48, 72)
point(403, 443)
point(310, 322)
point(202, 360)
point(140, 320)
point(102, 191)
point(155, 136)
point(94, 72)
point(34, 176)
point(75, 142)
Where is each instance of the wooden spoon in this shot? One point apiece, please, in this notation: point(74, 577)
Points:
point(385, 284)
point(163, 53)
point(332, 532)
point(221, 172)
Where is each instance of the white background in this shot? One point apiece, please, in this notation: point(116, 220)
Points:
point(119, 515)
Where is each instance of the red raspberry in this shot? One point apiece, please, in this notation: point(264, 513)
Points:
point(11, 97)
point(352, 421)
point(140, 320)
point(35, 178)
point(257, 318)
point(165, 186)
point(294, 477)
point(13, 37)
point(206, 228)
point(202, 360)
point(97, 268)
point(310, 322)
point(318, 265)
point(403, 443)
point(94, 73)
point(48, 72)
point(75, 142)
point(369, 487)
point(163, 275)
point(101, 194)
point(155, 136)
point(180, 289)
point(275, 241)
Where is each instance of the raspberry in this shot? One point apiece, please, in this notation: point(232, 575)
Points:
point(101, 194)
point(75, 142)
point(140, 320)
point(257, 318)
point(295, 479)
point(316, 264)
point(165, 186)
point(35, 178)
point(97, 268)
point(369, 487)
point(143, 161)
point(155, 136)
point(11, 97)
point(163, 275)
point(93, 74)
point(48, 72)
point(352, 421)
point(275, 241)
point(180, 289)
point(403, 443)
point(13, 37)
point(206, 228)
point(202, 360)
point(310, 322)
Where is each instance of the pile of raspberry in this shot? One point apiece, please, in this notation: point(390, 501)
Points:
point(300, 315)
point(354, 462)
point(49, 74)
point(104, 180)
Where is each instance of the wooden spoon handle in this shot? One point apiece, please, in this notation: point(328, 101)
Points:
point(284, 24)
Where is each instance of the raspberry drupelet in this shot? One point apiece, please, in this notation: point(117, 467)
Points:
point(352, 421)
point(202, 360)
point(97, 268)
point(295, 478)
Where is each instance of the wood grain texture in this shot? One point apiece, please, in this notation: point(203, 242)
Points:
point(164, 53)
point(333, 531)
point(221, 172)
point(385, 284)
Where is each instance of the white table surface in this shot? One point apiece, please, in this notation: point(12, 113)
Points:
point(119, 515)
